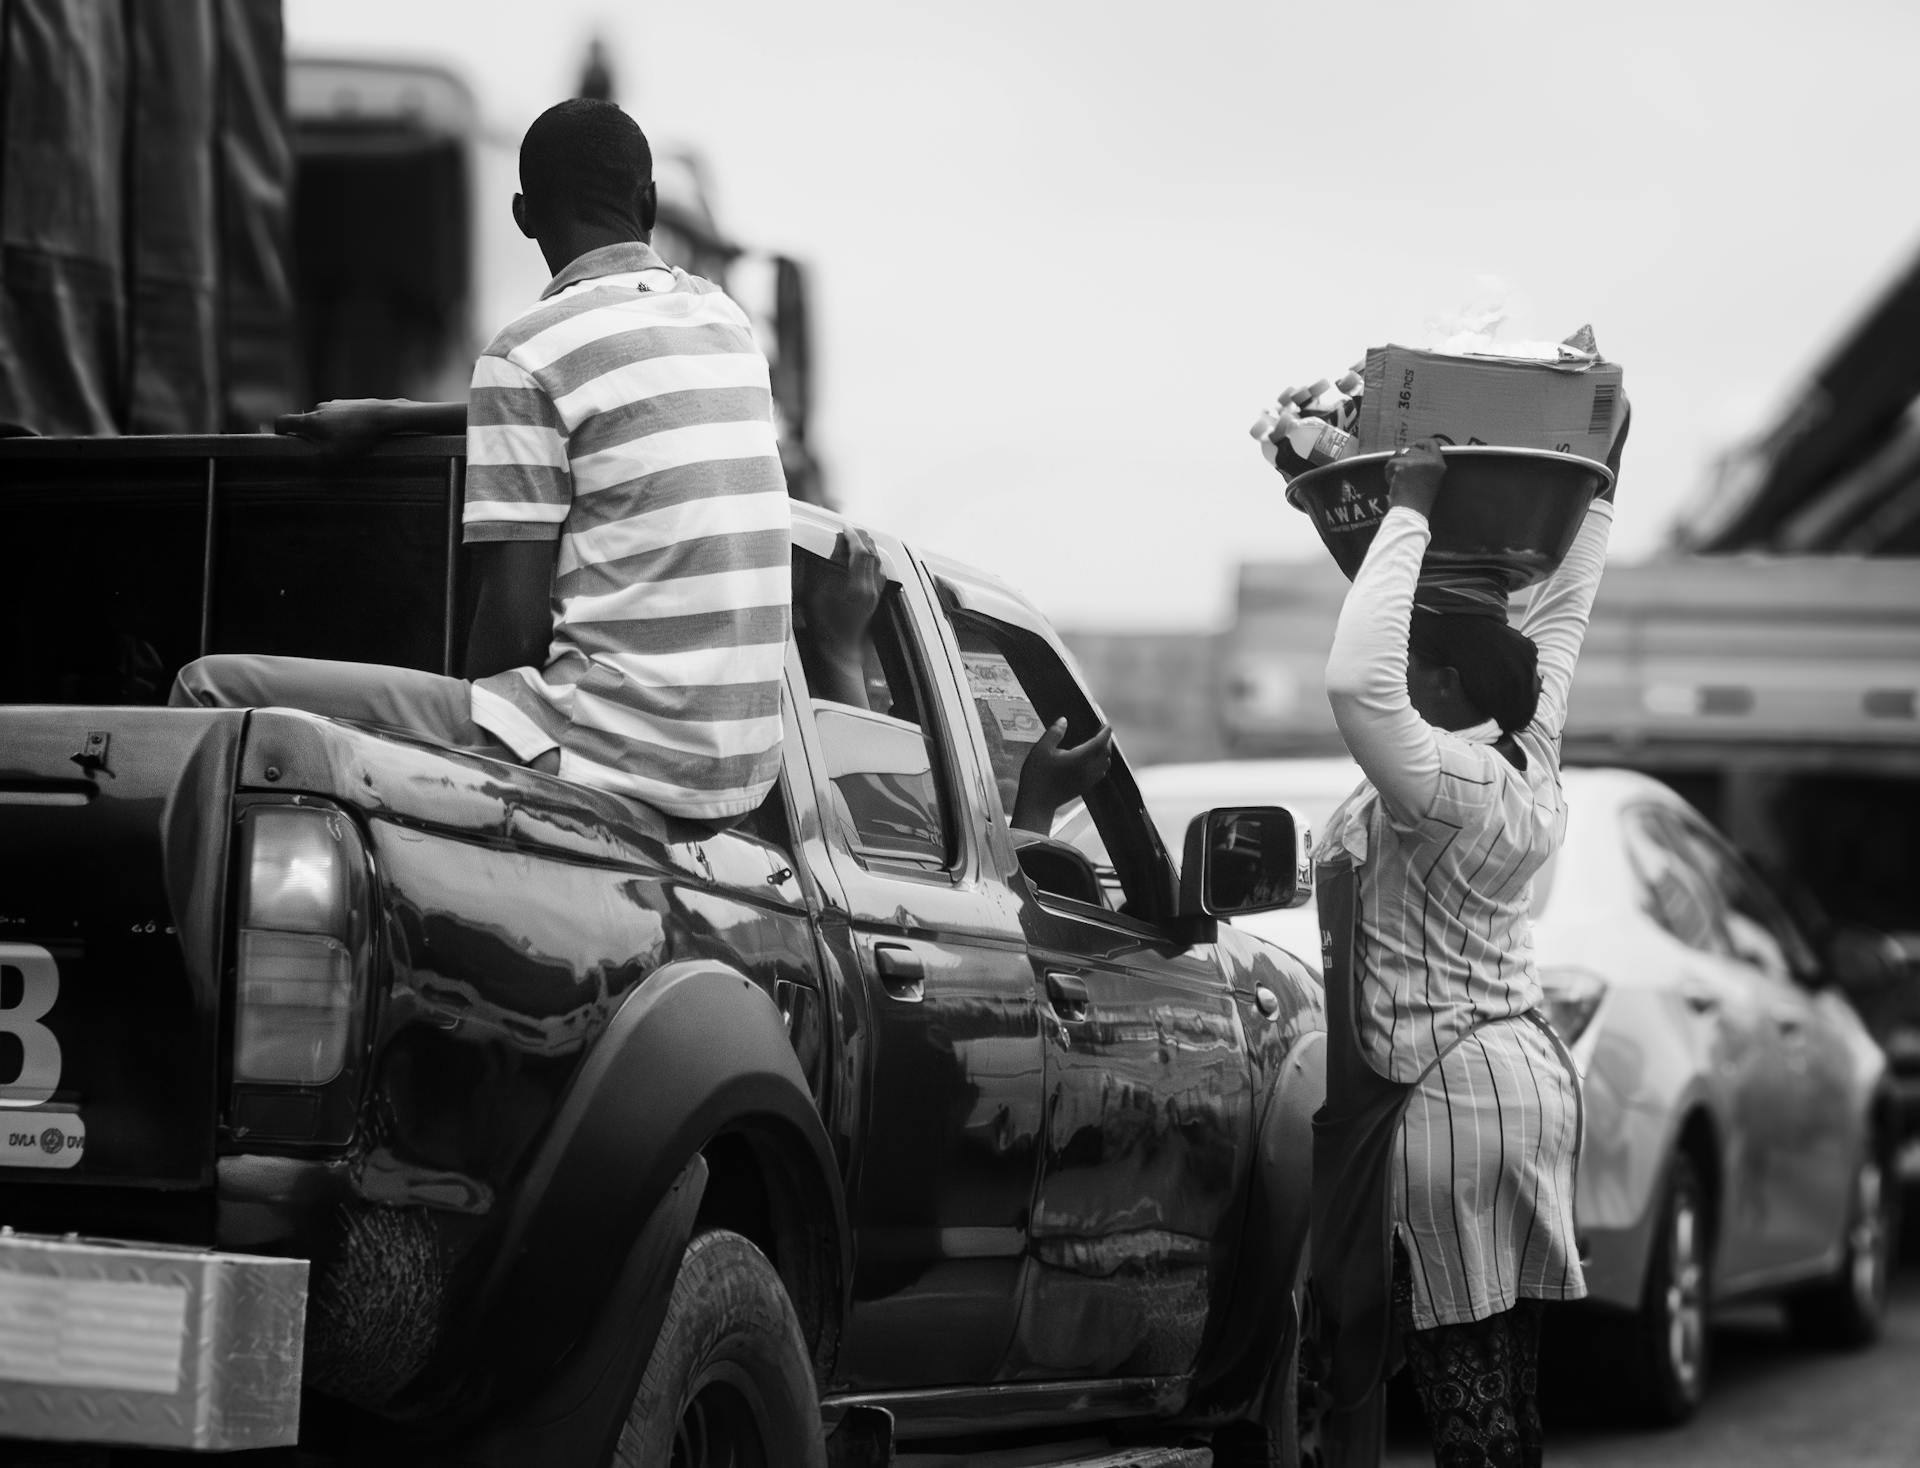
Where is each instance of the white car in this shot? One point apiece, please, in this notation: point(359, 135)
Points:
point(1740, 1122)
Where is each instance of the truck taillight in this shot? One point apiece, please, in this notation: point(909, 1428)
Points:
point(302, 928)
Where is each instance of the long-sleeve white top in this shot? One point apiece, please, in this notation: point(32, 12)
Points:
point(1448, 833)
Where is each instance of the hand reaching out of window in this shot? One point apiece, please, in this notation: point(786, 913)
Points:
point(1053, 775)
point(836, 613)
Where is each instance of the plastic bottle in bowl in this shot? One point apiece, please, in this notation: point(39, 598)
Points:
point(1351, 386)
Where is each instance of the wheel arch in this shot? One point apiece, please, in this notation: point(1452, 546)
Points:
point(1259, 1324)
point(652, 1096)
point(756, 1189)
point(1884, 1124)
point(1697, 1138)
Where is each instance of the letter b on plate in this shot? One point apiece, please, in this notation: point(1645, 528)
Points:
point(29, 983)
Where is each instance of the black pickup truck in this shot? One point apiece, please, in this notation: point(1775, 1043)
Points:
point(863, 1128)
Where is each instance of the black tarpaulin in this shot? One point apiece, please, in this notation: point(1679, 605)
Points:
point(144, 176)
point(255, 177)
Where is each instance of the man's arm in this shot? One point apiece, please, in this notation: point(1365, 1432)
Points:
point(513, 605)
point(833, 622)
point(1367, 668)
point(353, 425)
point(519, 491)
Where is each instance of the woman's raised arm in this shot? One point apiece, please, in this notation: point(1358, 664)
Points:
point(1367, 668)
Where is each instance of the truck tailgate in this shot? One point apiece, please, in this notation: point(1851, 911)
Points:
point(114, 825)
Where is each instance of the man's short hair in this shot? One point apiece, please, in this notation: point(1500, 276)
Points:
point(584, 159)
point(1498, 664)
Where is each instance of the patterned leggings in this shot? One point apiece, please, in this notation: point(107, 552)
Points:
point(1478, 1384)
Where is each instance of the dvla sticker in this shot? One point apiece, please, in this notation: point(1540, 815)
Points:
point(42, 1138)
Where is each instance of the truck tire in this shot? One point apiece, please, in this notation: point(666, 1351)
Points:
point(729, 1381)
point(1846, 1311)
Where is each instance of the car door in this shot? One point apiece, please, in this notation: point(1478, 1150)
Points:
point(1721, 1005)
point(1148, 1087)
point(1814, 1144)
point(944, 1029)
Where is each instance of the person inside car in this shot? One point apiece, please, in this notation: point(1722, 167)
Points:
point(626, 514)
point(833, 619)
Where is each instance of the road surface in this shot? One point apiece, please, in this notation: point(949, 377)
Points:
point(1771, 1405)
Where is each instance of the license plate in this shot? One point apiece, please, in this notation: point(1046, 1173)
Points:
point(42, 1136)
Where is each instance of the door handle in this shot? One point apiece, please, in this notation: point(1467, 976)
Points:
point(1700, 1001)
point(1790, 1025)
point(901, 970)
point(1067, 993)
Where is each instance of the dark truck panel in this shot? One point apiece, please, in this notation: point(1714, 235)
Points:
point(113, 868)
point(148, 552)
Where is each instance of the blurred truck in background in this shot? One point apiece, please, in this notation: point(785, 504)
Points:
point(203, 231)
point(405, 257)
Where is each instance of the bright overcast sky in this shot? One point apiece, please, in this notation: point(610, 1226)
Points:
point(1064, 252)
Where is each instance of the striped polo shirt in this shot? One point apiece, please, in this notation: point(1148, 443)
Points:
point(629, 415)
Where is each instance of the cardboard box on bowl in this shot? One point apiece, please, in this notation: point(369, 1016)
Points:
point(1412, 394)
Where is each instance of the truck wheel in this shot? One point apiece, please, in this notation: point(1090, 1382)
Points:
point(1847, 1310)
point(729, 1382)
point(1666, 1341)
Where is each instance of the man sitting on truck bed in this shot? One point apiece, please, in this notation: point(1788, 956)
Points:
point(627, 514)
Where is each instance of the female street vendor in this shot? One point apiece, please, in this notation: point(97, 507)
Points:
point(1444, 1158)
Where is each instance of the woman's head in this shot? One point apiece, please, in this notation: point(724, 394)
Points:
point(1464, 669)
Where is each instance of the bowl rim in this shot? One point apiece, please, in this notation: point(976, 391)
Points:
point(1315, 476)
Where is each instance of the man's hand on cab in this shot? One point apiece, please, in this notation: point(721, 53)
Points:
point(1413, 476)
point(840, 609)
point(1052, 775)
point(345, 425)
point(833, 619)
point(349, 426)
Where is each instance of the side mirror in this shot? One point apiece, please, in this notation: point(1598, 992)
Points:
point(1248, 858)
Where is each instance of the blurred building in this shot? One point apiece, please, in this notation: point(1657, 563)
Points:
point(1839, 470)
point(1160, 690)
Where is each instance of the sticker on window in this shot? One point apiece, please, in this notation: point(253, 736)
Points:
point(990, 678)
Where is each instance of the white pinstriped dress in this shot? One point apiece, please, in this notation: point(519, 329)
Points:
point(1446, 836)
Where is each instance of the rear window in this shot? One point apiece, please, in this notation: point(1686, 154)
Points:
point(135, 567)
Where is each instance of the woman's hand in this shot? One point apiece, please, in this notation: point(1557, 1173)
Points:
point(1413, 476)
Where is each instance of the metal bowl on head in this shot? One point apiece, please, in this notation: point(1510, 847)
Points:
point(1504, 514)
